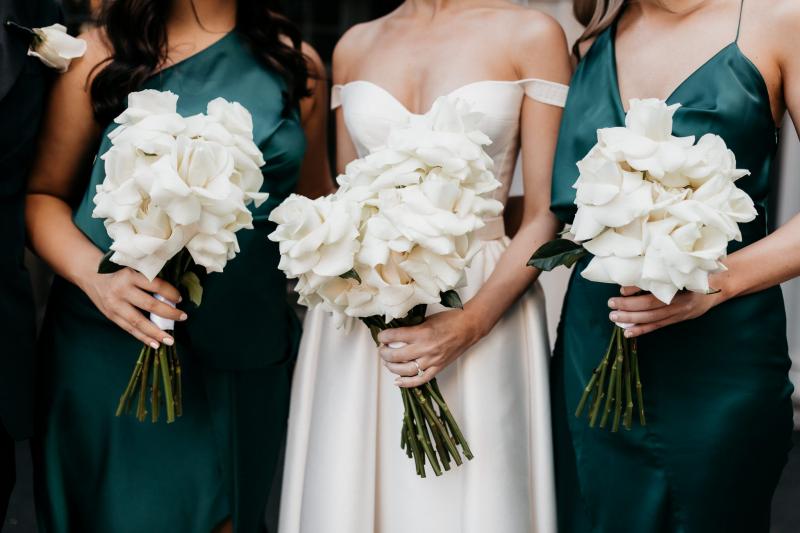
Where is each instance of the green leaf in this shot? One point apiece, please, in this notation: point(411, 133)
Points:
point(451, 299)
point(558, 252)
point(351, 274)
point(107, 266)
point(193, 287)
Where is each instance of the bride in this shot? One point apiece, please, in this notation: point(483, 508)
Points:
point(345, 471)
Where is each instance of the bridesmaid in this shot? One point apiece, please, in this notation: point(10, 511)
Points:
point(715, 367)
point(211, 470)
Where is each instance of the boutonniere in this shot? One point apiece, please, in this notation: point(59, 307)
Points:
point(52, 45)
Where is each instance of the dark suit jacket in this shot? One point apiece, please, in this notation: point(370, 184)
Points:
point(23, 88)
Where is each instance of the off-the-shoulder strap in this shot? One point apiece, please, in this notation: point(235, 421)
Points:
point(336, 96)
point(547, 92)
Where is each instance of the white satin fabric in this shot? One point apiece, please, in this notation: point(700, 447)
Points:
point(345, 471)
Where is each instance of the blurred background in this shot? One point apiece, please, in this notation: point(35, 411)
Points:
point(322, 22)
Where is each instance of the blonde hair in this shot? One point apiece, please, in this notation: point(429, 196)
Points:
point(596, 16)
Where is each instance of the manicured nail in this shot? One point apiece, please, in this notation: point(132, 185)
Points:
point(612, 303)
point(184, 316)
point(169, 341)
point(154, 345)
point(613, 317)
point(628, 333)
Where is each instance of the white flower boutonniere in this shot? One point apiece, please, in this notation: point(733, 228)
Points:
point(52, 45)
point(55, 47)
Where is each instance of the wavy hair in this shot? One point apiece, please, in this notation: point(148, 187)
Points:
point(136, 33)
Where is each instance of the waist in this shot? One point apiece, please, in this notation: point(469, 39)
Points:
point(494, 228)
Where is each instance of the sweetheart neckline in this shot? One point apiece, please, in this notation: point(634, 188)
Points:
point(515, 83)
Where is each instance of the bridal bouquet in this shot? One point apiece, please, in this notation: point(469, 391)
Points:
point(396, 237)
point(656, 212)
point(175, 193)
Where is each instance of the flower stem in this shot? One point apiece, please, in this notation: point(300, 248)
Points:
point(125, 400)
point(451, 421)
point(166, 378)
point(639, 394)
point(422, 434)
point(141, 410)
point(412, 440)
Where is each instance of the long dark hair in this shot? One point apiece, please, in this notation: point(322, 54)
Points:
point(136, 33)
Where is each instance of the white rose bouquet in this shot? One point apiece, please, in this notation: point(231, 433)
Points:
point(176, 191)
point(656, 212)
point(396, 237)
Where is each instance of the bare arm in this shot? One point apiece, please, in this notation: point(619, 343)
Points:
point(344, 57)
point(68, 137)
point(763, 264)
point(315, 173)
point(445, 336)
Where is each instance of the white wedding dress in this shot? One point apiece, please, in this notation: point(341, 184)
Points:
point(345, 471)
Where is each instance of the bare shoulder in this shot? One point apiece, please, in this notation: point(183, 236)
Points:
point(781, 21)
point(98, 52)
point(771, 32)
point(351, 47)
point(538, 43)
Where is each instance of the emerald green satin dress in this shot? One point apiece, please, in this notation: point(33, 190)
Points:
point(99, 473)
point(716, 388)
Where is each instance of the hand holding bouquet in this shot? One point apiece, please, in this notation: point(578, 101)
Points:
point(176, 192)
point(396, 237)
point(656, 212)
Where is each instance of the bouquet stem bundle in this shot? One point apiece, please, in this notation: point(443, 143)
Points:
point(157, 373)
point(611, 386)
point(429, 433)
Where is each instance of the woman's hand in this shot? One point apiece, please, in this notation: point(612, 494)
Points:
point(123, 295)
point(432, 345)
point(647, 313)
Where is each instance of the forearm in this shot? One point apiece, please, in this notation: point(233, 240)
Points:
point(511, 277)
point(55, 238)
point(765, 263)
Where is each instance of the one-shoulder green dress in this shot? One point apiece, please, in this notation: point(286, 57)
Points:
point(99, 473)
point(717, 393)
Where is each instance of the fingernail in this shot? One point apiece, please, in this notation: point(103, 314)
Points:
point(398, 381)
point(169, 341)
point(628, 333)
point(180, 299)
point(184, 316)
point(613, 317)
point(154, 345)
point(612, 303)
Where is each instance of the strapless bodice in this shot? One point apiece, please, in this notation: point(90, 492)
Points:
point(371, 111)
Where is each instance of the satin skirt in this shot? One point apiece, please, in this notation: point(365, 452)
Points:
point(345, 471)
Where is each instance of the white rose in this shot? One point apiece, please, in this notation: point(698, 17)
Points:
point(213, 251)
point(617, 255)
point(387, 290)
point(646, 142)
point(319, 236)
point(436, 273)
point(711, 157)
point(150, 123)
point(681, 256)
point(718, 203)
point(608, 196)
point(145, 242)
point(55, 48)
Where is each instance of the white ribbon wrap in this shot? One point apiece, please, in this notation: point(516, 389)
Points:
point(165, 324)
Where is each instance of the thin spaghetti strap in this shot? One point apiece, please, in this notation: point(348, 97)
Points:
point(739, 24)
